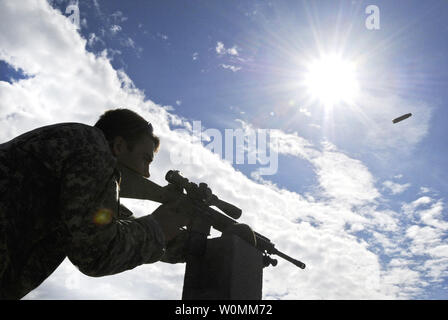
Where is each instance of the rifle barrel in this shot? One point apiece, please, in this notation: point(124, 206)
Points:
point(264, 244)
point(297, 263)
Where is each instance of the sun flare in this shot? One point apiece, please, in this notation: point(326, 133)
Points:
point(332, 80)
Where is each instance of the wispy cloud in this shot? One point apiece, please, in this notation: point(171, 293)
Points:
point(305, 111)
point(375, 116)
point(115, 29)
point(396, 188)
point(232, 56)
point(221, 50)
point(424, 190)
point(93, 38)
point(230, 67)
point(162, 36)
point(118, 16)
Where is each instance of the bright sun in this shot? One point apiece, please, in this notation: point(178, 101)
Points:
point(332, 80)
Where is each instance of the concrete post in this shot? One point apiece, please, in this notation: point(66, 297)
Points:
point(230, 269)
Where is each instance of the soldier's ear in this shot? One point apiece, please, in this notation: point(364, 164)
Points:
point(119, 146)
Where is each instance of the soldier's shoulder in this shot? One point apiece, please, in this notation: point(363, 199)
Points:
point(72, 126)
point(71, 130)
point(79, 133)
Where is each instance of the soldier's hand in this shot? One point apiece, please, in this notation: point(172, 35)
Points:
point(173, 215)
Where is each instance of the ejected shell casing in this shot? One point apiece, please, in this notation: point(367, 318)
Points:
point(405, 116)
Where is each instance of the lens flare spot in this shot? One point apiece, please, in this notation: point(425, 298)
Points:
point(103, 216)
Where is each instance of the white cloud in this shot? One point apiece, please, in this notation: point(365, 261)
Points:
point(439, 251)
point(92, 39)
point(232, 51)
point(221, 50)
point(293, 144)
point(344, 178)
point(162, 36)
point(115, 28)
point(340, 176)
point(427, 246)
point(409, 208)
point(230, 67)
point(433, 216)
point(424, 190)
point(386, 220)
point(128, 43)
point(118, 16)
point(396, 188)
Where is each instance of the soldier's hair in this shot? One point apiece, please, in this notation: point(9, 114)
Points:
point(127, 124)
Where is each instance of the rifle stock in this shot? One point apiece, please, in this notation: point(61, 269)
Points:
point(135, 186)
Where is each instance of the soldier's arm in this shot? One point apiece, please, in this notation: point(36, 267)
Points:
point(100, 243)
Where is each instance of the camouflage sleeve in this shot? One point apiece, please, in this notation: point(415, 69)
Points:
point(101, 243)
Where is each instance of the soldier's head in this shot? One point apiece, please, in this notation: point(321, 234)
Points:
point(131, 138)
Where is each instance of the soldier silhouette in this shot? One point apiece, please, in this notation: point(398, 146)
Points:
point(59, 197)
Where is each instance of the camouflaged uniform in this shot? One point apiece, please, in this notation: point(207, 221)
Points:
point(58, 198)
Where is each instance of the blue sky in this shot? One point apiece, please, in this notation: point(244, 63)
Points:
point(269, 38)
point(351, 187)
